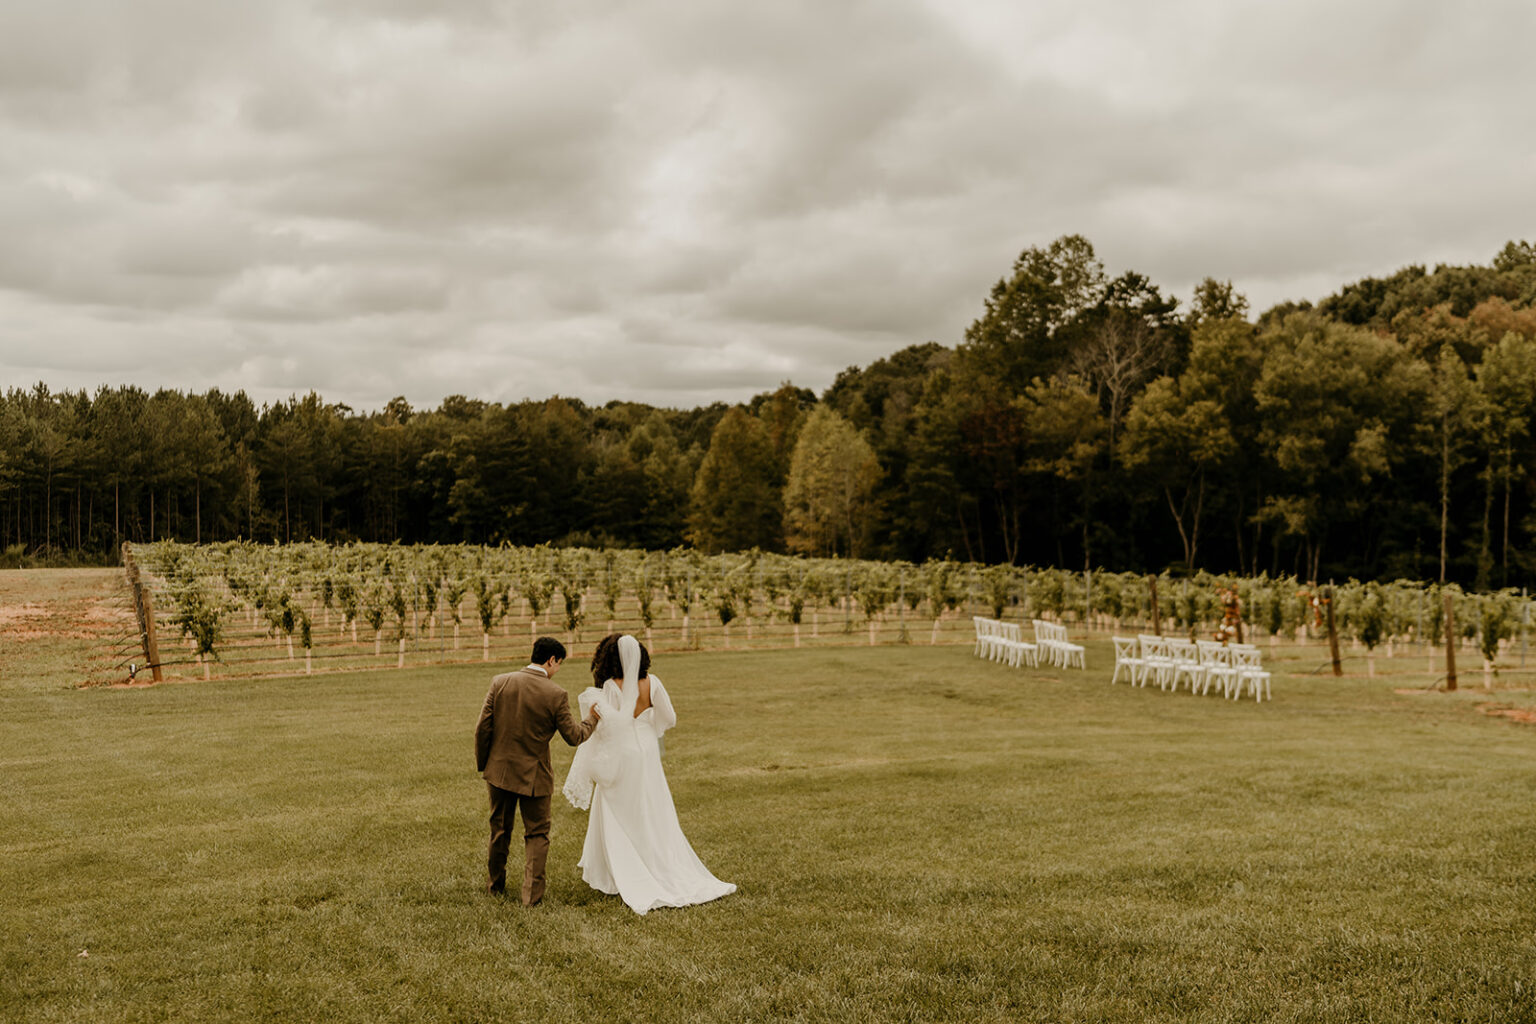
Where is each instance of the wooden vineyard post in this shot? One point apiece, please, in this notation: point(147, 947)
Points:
point(144, 608)
point(1333, 636)
point(690, 597)
point(1450, 644)
point(1429, 648)
point(151, 644)
point(847, 600)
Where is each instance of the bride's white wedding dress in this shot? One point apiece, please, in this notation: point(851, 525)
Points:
point(635, 847)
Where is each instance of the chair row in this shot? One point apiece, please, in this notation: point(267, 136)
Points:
point(1051, 638)
point(1201, 664)
point(1004, 641)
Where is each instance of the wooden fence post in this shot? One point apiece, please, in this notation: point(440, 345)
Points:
point(1333, 636)
point(1450, 644)
point(1526, 617)
point(1157, 621)
point(144, 608)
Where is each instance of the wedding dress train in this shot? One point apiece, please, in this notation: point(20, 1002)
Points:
point(635, 847)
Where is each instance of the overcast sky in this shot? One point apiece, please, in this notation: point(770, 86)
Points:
point(679, 201)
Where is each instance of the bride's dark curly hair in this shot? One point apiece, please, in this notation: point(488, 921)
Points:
point(606, 663)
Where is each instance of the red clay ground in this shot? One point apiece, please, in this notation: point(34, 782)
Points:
point(66, 626)
point(1514, 714)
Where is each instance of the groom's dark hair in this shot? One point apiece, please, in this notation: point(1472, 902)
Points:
point(546, 647)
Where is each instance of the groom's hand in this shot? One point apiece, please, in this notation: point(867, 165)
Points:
point(596, 712)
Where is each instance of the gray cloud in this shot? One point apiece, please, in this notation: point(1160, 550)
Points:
point(677, 202)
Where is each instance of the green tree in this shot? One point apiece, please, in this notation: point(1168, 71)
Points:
point(207, 452)
point(935, 510)
point(1131, 336)
point(991, 454)
point(1336, 404)
point(53, 447)
point(667, 474)
point(832, 476)
point(1507, 380)
point(782, 412)
point(1066, 434)
point(1177, 439)
point(1016, 337)
point(1455, 409)
point(285, 457)
point(117, 418)
point(734, 504)
point(1216, 300)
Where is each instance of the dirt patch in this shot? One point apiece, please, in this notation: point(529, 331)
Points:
point(55, 617)
point(1493, 709)
point(12, 614)
point(79, 605)
point(1509, 711)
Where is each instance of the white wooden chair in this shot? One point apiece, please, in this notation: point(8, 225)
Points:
point(1072, 655)
point(1157, 664)
point(1053, 638)
point(1128, 656)
point(997, 646)
point(1045, 639)
point(1218, 669)
point(984, 636)
point(1185, 655)
point(1251, 674)
point(1015, 650)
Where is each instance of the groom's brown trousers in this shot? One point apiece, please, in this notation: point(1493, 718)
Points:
point(535, 810)
point(522, 711)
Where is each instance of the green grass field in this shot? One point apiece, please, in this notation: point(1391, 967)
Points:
point(917, 835)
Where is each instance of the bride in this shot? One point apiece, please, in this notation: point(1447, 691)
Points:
point(635, 847)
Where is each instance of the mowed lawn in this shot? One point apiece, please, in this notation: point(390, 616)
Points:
point(917, 835)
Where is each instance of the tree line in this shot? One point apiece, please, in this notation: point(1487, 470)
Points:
point(1083, 420)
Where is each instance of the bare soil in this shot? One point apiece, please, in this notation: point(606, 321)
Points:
point(82, 615)
point(1514, 714)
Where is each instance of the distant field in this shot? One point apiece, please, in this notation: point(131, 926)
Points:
point(916, 836)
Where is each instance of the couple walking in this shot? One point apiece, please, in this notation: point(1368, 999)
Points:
point(635, 847)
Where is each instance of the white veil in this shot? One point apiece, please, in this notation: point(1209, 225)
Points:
point(629, 658)
point(662, 716)
point(597, 760)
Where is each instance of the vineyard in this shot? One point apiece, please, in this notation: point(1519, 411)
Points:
point(241, 609)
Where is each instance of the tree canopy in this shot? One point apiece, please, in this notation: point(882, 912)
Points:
point(1384, 431)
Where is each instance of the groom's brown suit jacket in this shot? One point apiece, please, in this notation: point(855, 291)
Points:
point(522, 711)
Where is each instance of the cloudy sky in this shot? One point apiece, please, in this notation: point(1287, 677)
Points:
point(679, 201)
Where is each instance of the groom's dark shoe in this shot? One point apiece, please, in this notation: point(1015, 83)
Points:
point(495, 890)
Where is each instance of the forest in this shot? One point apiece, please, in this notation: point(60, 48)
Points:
point(1083, 420)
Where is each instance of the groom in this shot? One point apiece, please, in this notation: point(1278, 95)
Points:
point(522, 711)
